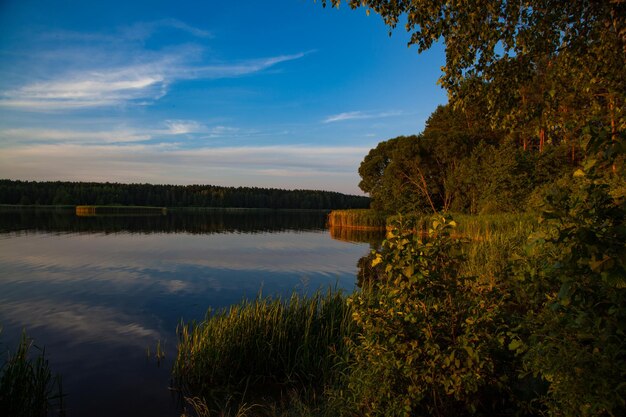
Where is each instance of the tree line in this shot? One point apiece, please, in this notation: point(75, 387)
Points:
point(93, 193)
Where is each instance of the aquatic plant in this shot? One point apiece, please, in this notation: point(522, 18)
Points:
point(264, 348)
point(357, 218)
point(28, 388)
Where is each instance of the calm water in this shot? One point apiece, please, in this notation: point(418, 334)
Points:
point(97, 291)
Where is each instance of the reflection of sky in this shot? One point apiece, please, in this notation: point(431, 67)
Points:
point(97, 301)
point(288, 252)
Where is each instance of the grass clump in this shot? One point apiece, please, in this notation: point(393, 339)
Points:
point(265, 349)
point(28, 388)
point(357, 218)
point(484, 227)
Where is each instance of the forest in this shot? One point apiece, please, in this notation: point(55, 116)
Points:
point(93, 193)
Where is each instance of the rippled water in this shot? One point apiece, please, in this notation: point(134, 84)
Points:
point(98, 291)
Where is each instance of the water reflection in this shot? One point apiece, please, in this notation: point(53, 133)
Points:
point(197, 221)
point(373, 237)
point(97, 291)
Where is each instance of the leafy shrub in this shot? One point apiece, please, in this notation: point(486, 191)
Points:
point(427, 334)
point(574, 280)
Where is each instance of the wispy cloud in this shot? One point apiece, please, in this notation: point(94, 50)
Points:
point(196, 129)
point(144, 30)
point(139, 31)
point(230, 70)
point(355, 115)
point(139, 84)
point(26, 135)
point(93, 89)
point(122, 134)
point(93, 70)
point(181, 127)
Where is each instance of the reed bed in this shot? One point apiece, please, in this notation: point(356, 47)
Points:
point(28, 387)
point(264, 348)
point(357, 218)
point(474, 227)
point(119, 210)
point(491, 240)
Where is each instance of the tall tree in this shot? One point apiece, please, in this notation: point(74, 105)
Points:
point(518, 54)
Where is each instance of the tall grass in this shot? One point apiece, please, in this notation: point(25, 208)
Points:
point(119, 210)
point(491, 239)
point(27, 386)
point(264, 348)
point(357, 218)
point(475, 227)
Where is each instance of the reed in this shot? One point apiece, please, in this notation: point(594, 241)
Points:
point(488, 255)
point(357, 218)
point(474, 227)
point(28, 387)
point(492, 240)
point(264, 348)
point(119, 210)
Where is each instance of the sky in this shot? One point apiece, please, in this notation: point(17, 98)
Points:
point(282, 94)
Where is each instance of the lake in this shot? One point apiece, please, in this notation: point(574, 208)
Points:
point(98, 291)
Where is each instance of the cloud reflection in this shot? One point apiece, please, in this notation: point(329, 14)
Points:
point(81, 322)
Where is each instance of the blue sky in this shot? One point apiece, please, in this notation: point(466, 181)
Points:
point(280, 94)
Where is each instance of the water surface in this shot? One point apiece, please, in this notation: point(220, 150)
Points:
point(97, 291)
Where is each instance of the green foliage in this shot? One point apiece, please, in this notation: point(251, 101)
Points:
point(27, 386)
point(459, 165)
point(574, 280)
point(549, 78)
point(264, 348)
point(426, 333)
point(537, 65)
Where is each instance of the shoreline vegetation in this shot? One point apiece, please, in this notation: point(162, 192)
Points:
point(260, 353)
point(120, 210)
point(474, 227)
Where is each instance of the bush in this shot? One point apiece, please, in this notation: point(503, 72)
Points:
point(574, 281)
point(427, 335)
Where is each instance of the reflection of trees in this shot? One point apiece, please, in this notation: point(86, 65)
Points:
point(200, 221)
point(347, 234)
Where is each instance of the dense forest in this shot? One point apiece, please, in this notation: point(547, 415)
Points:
point(92, 193)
